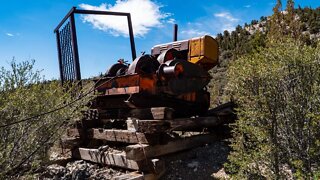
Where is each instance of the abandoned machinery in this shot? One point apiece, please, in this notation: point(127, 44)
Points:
point(175, 75)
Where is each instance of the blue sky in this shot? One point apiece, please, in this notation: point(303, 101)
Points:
point(26, 27)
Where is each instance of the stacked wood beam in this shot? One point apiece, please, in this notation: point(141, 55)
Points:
point(136, 139)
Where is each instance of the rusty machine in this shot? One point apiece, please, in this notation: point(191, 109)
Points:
point(142, 109)
point(173, 75)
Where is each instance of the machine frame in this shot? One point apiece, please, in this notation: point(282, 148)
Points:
point(67, 45)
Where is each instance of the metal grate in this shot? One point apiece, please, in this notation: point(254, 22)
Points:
point(67, 59)
point(68, 47)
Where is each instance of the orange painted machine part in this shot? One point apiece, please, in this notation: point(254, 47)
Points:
point(174, 75)
point(135, 84)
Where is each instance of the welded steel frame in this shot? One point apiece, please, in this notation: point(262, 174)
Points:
point(74, 43)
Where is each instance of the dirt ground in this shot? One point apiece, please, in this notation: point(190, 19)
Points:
point(200, 163)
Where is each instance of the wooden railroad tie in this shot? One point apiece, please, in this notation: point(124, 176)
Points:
point(141, 137)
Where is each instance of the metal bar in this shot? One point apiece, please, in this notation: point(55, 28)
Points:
point(65, 53)
point(75, 47)
point(175, 32)
point(59, 55)
point(80, 11)
point(62, 53)
point(133, 47)
point(132, 44)
point(65, 18)
point(69, 53)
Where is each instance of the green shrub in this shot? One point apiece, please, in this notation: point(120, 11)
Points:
point(24, 94)
point(277, 90)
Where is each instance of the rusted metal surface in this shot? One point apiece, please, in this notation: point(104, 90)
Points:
point(159, 81)
point(145, 64)
point(124, 90)
point(178, 45)
point(175, 75)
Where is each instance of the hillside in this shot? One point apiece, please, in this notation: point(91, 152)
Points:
point(250, 37)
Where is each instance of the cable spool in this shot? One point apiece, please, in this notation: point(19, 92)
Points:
point(170, 71)
point(145, 64)
point(116, 70)
point(168, 55)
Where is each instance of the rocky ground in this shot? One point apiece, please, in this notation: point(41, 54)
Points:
point(79, 170)
point(200, 163)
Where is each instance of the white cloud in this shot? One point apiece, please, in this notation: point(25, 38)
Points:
point(171, 21)
point(227, 16)
point(193, 33)
point(9, 34)
point(194, 29)
point(227, 21)
point(145, 15)
point(247, 6)
point(210, 25)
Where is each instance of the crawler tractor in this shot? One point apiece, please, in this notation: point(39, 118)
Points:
point(173, 75)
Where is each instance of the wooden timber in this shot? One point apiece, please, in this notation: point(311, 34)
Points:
point(139, 176)
point(181, 124)
point(196, 123)
point(141, 151)
point(118, 159)
point(158, 113)
point(126, 136)
point(144, 132)
point(130, 176)
point(148, 126)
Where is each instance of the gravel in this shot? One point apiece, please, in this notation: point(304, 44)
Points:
point(79, 170)
point(200, 163)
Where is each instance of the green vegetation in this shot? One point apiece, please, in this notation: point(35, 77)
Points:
point(301, 24)
point(24, 94)
point(274, 79)
point(277, 90)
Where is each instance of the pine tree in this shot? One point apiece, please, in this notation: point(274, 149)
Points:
point(293, 25)
point(276, 29)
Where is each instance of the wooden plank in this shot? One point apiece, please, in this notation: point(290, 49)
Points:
point(139, 176)
point(195, 123)
point(158, 113)
point(126, 136)
point(148, 126)
point(117, 159)
point(130, 176)
point(162, 113)
point(140, 151)
point(223, 109)
point(181, 124)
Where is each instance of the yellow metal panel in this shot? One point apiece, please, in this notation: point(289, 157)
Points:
point(204, 51)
